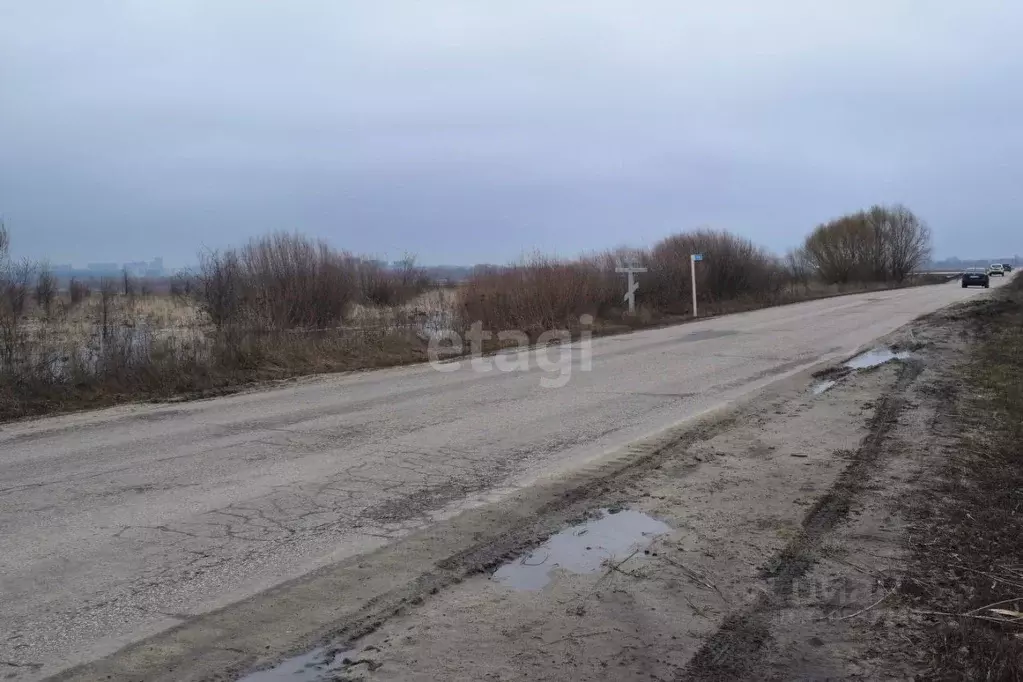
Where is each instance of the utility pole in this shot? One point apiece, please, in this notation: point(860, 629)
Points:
point(630, 295)
point(692, 271)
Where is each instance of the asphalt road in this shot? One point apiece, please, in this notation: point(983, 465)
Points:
point(120, 523)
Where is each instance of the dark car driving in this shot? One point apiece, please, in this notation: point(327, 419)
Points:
point(976, 278)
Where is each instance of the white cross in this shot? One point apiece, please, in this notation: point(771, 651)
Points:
point(630, 295)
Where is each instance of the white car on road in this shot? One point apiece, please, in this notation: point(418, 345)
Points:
point(996, 269)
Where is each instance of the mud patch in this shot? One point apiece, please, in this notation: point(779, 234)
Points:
point(739, 645)
point(583, 548)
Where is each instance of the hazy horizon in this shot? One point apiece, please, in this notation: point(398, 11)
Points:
point(465, 133)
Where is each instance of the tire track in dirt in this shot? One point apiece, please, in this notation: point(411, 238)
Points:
point(739, 644)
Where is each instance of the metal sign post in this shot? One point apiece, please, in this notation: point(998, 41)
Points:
point(692, 270)
point(630, 295)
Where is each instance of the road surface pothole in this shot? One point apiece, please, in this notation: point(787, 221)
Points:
point(583, 548)
point(313, 666)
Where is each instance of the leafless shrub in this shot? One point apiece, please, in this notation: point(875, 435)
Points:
point(145, 287)
point(540, 294)
point(287, 281)
point(182, 286)
point(380, 285)
point(221, 288)
point(733, 267)
point(15, 282)
point(798, 268)
point(128, 283)
point(78, 291)
point(45, 291)
point(107, 297)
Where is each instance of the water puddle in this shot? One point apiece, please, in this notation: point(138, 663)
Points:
point(876, 357)
point(822, 386)
point(583, 548)
point(317, 665)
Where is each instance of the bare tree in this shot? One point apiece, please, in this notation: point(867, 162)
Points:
point(46, 288)
point(908, 240)
point(881, 244)
point(5, 242)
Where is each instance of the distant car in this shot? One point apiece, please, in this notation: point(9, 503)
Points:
point(976, 277)
point(996, 269)
point(1008, 268)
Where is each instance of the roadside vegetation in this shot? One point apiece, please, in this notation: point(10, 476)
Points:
point(878, 248)
point(968, 567)
point(284, 305)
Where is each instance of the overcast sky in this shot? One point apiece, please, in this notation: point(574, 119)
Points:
point(478, 130)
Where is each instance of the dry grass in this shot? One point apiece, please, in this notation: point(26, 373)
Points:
point(969, 558)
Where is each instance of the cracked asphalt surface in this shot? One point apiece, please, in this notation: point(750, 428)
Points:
point(121, 523)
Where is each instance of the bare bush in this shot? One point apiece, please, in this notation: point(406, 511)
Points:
point(281, 281)
point(128, 284)
point(380, 285)
point(733, 267)
point(78, 291)
point(540, 294)
point(15, 282)
point(222, 287)
point(45, 291)
point(799, 268)
point(107, 298)
point(182, 286)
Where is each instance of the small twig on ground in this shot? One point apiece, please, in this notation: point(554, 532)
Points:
point(581, 636)
point(618, 566)
point(862, 611)
point(526, 563)
point(694, 575)
point(992, 576)
point(997, 603)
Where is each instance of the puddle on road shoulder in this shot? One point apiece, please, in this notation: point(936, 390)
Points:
point(822, 386)
point(583, 548)
point(875, 357)
point(317, 665)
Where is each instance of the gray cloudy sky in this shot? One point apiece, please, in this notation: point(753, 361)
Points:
point(478, 130)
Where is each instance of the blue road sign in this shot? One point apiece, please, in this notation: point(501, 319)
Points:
point(697, 256)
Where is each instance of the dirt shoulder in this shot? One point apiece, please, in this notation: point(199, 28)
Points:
point(799, 535)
